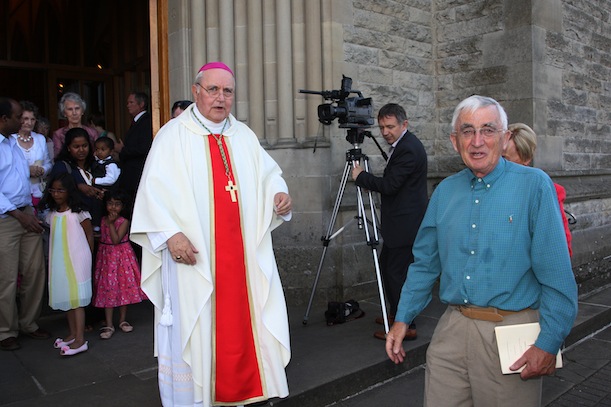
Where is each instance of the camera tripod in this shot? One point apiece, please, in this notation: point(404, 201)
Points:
point(353, 156)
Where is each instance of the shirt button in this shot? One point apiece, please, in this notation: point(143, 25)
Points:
point(472, 251)
point(473, 226)
point(465, 301)
point(477, 201)
point(488, 186)
point(468, 277)
point(479, 180)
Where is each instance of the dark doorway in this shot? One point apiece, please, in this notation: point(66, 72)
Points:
point(99, 49)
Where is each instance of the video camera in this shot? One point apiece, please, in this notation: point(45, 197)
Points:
point(351, 112)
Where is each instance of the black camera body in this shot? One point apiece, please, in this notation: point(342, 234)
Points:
point(352, 112)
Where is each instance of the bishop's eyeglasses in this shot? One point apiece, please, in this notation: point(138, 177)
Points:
point(214, 91)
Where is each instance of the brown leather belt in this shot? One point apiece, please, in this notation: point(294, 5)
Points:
point(490, 314)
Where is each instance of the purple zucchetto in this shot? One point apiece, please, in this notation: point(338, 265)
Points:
point(215, 65)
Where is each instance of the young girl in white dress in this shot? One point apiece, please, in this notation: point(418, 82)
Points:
point(70, 248)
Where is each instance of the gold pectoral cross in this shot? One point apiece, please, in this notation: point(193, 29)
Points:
point(232, 189)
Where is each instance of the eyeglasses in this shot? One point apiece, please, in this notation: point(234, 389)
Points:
point(215, 91)
point(485, 132)
point(57, 191)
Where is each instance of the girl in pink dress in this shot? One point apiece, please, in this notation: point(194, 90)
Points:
point(70, 248)
point(117, 274)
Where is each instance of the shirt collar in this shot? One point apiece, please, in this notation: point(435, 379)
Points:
point(214, 127)
point(492, 177)
point(11, 140)
point(139, 115)
point(393, 145)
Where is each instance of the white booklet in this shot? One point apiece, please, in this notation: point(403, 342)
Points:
point(514, 340)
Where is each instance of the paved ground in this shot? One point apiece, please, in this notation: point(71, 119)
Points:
point(328, 363)
point(584, 380)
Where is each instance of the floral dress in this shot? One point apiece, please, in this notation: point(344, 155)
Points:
point(117, 274)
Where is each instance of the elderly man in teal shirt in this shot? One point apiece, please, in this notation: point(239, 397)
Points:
point(493, 236)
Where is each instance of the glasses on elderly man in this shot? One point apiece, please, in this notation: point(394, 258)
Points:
point(487, 131)
point(214, 91)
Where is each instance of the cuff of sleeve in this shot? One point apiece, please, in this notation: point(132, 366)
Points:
point(287, 217)
point(548, 344)
point(158, 239)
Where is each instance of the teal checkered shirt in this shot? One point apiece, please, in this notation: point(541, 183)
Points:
point(496, 241)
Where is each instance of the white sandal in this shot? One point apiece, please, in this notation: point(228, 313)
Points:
point(126, 327)
point(107, 332)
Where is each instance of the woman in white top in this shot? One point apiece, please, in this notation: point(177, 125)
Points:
point(34, 147)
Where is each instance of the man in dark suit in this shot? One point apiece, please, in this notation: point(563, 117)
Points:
point(135, 145)
point(403, 189)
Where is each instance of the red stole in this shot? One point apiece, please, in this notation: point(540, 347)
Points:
point(236, 367)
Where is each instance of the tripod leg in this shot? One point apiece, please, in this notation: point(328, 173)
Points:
point(381, 290)
point(373, 241)
point(327, 238)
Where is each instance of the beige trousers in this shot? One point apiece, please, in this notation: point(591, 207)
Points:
point(463, 368)
point(20, 253)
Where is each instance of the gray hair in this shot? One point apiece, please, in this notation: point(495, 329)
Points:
point(74, 97)
point(475, 102)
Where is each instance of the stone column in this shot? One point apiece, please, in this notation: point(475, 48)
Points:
point(299, 67)
point(256, 99)
point(314, 53)
point(270, 71)
point(212, 30)
point(240, 66)
point(198, 35)
point(531, 82)
point(179, 46)
point(284, 79)
point(226, 40)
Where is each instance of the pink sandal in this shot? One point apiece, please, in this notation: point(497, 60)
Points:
point(59, 343)
point(68, 351)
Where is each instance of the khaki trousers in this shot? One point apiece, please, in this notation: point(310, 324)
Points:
point(463, 368)
point(20, 253)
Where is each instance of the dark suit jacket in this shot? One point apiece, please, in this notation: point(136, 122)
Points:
point(137, 143)
point(403, 189)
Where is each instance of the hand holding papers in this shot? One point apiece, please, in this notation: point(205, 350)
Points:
point(514, 340)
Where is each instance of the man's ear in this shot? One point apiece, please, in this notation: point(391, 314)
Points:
point(505, 139)
point(454, 141)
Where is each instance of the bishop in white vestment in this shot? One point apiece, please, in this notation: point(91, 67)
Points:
point(208, 200)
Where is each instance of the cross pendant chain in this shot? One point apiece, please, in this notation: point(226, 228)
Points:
point(230, 187)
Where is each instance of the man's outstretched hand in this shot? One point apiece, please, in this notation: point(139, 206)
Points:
point(394, 342)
